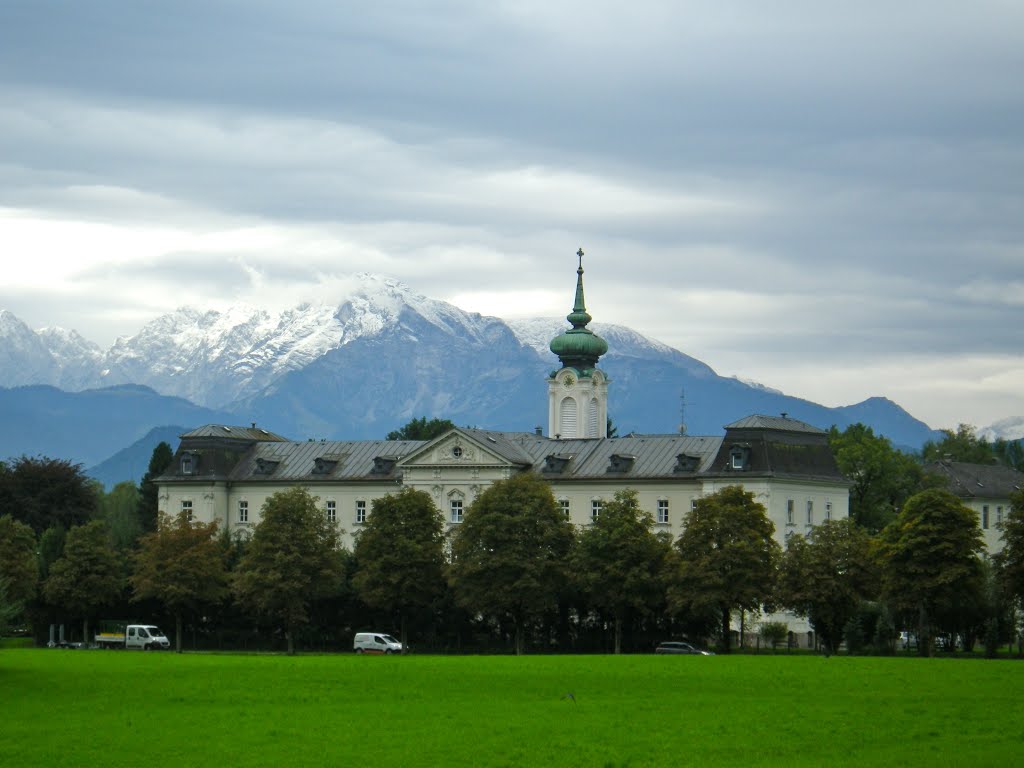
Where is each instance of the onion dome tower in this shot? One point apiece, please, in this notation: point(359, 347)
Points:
point(578, 391)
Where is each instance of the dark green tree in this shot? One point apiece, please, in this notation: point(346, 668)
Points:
point(962, 445)
point(43, 492)
point(510, 553)
point(728, 558)
point(421, 429)
point(148, 504)
point(400, 556)
point(181, 565)
point(294, 559)
point(827, 575)
point(1009, 561)
point(1010, 453)
point(10, 609)
point(120, 510)
point(931, 563)
point(88, 576)
point(882, 477)
point(619, 562)
point(19, 564)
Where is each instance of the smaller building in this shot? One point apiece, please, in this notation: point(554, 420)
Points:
point(986, 489)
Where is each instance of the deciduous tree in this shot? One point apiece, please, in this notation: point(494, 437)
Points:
point(293, 559)
point(883, 477)
point(400, 556)
point(619, 562)
point(43, 492)
point(421, 429)
point(727, 557)
point(827, 575)
point(509, 555)
point(181, 564)
point(1009, 560)
point(120, 510)
point(962, 445)
point(159, 461)
point(88, 576)
point(19, 564)
point(930, 559)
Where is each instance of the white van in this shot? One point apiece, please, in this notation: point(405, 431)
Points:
point(375, 642)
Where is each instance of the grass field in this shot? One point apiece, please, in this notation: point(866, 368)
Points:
point(93, 708)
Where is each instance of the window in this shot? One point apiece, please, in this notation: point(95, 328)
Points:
point(693, 505)
point(456, 507)
point(999, 515)
point(332, 511)
point(810, 512)
point(243, 511)
point(564, 504)
point(828, 510)
point(567, 424)
point(790, 512)
point(663, 511)
point(595, 509)
point(186, 507)
point(360, 511)
point(984, 517)
point(186, 464)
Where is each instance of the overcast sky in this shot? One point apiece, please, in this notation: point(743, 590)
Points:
point(824, 197)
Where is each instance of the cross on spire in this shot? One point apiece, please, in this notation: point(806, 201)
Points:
point(580, 254)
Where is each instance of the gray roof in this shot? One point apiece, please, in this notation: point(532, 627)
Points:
point(775, 422)
point(981, 481)
point(233, 433)
point(296, 461)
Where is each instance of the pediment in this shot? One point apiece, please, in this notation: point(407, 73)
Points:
point(455, 449)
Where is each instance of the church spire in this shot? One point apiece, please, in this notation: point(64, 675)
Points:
point(579, 347)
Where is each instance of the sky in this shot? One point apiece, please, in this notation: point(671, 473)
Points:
point(823, 197)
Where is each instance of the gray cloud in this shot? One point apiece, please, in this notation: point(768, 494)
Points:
point(755, 184)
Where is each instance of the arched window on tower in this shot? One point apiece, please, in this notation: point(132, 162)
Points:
point(592, 410)
point(567, 422)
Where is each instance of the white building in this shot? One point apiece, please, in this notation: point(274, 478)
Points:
point(225, 473)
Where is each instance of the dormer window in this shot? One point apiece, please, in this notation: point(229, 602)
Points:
point(383, 465)
point(265, 466)
point(739, 457)
point(324, 466)
point(189, 464)
point(686, 463)
point(619, 462)
point(555, 463)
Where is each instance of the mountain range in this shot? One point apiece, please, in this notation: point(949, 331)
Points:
point(354, 370)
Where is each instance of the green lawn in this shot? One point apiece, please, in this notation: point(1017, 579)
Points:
point(92, 708)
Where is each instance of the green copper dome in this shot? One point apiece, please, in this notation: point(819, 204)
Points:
point(579, 347)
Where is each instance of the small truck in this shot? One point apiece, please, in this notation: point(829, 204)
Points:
point(145, 637)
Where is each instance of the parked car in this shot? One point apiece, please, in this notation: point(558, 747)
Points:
point(679, 647)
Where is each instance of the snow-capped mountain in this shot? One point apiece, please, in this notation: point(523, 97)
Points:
point(364, 366)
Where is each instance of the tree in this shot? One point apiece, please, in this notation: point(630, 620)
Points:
point(293, 559)
point(88, 576)
point(961, 445)
point(1009, 561)
point(509, 555)
point(9, 609)
point(620, 562)
point(883, 478)
point(727, 557)
point(930, 559)
point(827, 575)
point(148, 503)
point(181, 564)
point(19, 564)
point(421, 429)
point(42, 492)
point(400, 556)
point(120, 510)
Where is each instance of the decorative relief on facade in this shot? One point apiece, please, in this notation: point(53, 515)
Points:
point(436, 490)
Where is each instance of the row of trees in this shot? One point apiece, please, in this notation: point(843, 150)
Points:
point(517, 568)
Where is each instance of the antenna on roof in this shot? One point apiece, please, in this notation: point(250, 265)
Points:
point(682, 410)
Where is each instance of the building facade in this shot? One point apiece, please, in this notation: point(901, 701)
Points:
point(225, 473)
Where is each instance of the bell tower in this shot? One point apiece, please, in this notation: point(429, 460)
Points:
point(578, 391)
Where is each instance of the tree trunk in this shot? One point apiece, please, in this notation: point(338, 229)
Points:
point(618, 634)
point(85, 630)
point(404, 635)
point(519, 637)
point(725, 631)
point(177, 632)
point(291, 641)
